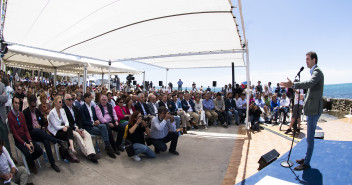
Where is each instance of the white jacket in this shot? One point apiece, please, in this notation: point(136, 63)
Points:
point(54, 124)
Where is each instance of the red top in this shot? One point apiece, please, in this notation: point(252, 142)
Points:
point(18, 130)
point(128, 110)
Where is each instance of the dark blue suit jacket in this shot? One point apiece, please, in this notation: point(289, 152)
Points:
point(230, 105)
point(185, 106)
point(85, 116)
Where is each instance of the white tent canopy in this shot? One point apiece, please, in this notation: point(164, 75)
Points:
point(39, 59)
point(137, 30)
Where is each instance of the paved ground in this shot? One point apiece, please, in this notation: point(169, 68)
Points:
point(204, 157)
point(213, 156)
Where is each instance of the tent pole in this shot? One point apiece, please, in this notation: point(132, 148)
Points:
point(109, 78)
point(144, 80)
point(102, 79)
point(55, 77)
point(85, 79)
point(166, 77)
point(233, 77)
point(79, 80)
point(248, 85)
point(32, 74)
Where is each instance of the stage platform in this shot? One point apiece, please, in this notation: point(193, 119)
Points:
point(331, 164)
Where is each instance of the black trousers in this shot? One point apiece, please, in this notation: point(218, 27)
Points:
point(60, 134)
point(222, 117)
point(30, 157)
point(160, 145)
point(41, 136)
point(120, 129)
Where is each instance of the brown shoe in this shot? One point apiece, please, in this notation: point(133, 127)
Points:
point(73, 157)
point(300, 161)
point(301, 167)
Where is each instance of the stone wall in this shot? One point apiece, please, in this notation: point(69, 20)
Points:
point(337, 104)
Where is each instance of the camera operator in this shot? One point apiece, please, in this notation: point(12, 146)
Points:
point(136, 129)
point(163, 130)
point(254, 113)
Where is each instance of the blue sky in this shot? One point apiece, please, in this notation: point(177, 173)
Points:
point(280, 33)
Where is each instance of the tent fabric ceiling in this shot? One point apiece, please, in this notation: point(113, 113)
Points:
point(38, 59)
point(130, 30)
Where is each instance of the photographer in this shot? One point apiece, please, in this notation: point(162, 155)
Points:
point(136, 129)
point(163, 130)
point(254, 114)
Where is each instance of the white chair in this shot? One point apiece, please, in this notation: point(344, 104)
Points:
point(56, 146)
point(95, 137)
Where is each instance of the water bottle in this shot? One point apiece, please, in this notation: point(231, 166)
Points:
point(45, 157)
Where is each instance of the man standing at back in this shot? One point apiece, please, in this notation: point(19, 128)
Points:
point(313, 104)
point(179, 83)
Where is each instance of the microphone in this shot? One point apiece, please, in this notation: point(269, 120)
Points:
point(299, 72)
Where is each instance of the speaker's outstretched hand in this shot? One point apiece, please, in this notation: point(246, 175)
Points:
point(288, 84)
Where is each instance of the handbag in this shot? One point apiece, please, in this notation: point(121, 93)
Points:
point(129, 148)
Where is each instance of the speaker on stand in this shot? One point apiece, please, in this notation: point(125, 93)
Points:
point(214, 85)
point(160, 83)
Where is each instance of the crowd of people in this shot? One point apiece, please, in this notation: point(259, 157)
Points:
point(64, 115)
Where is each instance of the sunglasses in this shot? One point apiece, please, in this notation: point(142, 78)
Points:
point(59, 102)
point(121, 102)
point(54, 94)
point(70, 99)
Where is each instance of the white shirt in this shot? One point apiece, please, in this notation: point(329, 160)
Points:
point(284, 102)
point(270, 90)
point(90, 112)
point(190, 107)
point(6, 162)
point(241, 102)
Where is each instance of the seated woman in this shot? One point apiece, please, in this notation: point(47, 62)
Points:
point(44, 107)
point(198, 105)
point(274, 108)
point(129, 108)
point(136, 129)
point(59, 126)
point(121, 111)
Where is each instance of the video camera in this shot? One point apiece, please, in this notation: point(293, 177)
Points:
point(146, 118)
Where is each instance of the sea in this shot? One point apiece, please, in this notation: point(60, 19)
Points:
point(341, 91)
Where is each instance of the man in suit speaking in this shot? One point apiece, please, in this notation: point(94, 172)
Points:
point(313, 104)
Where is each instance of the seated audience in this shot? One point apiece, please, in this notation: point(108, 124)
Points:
point(188, 106)
point(60, 128)
point(284, 106)
point(106, 114)
point(209, 109)
point(93, 126)
point(82, 137)
point(36, 128)
point(9, 173)
point(219, 105)
point(241, 105)
point(230, 108)
point(23, 140)
point(274, 107)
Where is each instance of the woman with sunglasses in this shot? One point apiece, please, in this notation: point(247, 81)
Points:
point(136, 129)
point(121, 111)
point(59, 126)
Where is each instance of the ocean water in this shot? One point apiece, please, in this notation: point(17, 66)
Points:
point(343, 91)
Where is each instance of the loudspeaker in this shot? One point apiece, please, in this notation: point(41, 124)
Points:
point(160, 83)
point(319, 135)
point(132, 78)
point(267, 158)
point(214, 83)
point(134, 82)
